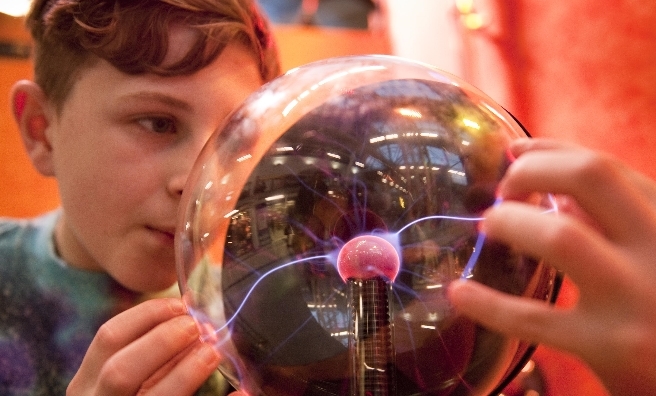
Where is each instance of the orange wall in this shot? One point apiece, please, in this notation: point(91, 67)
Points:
point(299, 45)
point(585, 71)
point(23, 192)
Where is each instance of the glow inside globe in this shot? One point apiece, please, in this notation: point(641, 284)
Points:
point(397, 153)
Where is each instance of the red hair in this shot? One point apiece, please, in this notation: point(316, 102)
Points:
point(133, 36)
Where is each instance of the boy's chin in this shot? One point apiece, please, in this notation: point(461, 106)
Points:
point(151, 287)
point(170, 291)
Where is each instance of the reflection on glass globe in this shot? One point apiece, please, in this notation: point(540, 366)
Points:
point(399, 153)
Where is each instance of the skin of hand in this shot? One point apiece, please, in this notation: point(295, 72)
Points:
point(150, 349)
point(603, 238)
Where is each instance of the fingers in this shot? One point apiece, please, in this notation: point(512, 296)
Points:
point(123, 329)
point(599, 184)
point(529, 320)
point(185, 374)
point(128, 368)
point(154, 347)
point(638, 180)
point(563, 242)
point(521, 146)
point(603, 241)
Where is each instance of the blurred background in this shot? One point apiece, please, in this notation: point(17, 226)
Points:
point(577, 70)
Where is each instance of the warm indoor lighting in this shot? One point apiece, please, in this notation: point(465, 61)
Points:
point(470, 123)
point(15, 8)
point(404, 111)
point(274, 198)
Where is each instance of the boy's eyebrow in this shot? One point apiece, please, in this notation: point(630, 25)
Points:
point(160, 98)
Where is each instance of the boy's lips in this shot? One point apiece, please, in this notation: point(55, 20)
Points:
point(167, 233)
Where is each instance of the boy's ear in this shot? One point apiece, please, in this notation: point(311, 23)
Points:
point(32, 113)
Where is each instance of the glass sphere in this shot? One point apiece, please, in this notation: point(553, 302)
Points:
point(333, 151)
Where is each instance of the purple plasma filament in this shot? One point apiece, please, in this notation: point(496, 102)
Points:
point(368, 257)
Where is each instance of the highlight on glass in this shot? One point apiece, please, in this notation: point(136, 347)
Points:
point(322, 224)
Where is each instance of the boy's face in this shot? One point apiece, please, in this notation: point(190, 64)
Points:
point(123, 147)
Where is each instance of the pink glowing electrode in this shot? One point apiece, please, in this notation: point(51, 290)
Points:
point(367, 257)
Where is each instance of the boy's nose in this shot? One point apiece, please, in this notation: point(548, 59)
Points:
point(183, 163)
point(177, 183)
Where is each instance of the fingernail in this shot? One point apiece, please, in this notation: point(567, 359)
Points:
point(177, 306)
point(190, 328)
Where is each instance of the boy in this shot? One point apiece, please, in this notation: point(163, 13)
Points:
point(126, 93)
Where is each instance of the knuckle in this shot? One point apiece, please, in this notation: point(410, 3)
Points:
point(115, 376)
point(531, 325)
point(595, 168)
point(174, 334)
point(107, 336)
point(519, 319)
point(537, 322)
point(562, 236)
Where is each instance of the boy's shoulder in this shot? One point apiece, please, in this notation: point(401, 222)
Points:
point(10, 226)
point(17, 233)
point(26, 242)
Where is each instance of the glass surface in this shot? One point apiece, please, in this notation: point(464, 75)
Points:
point(332, 151)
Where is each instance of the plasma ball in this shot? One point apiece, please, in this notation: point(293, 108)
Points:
point(322, 223)
point(366, 257)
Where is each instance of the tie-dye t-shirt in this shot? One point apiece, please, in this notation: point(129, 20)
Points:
point(49, 312)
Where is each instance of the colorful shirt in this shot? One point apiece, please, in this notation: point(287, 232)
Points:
point(49, 311)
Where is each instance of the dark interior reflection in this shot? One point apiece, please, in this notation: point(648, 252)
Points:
point(417, 160)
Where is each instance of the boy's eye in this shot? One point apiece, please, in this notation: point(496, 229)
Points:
point(158, 124)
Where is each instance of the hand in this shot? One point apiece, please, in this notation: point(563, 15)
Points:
point(604, 239)
point(150, 349)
